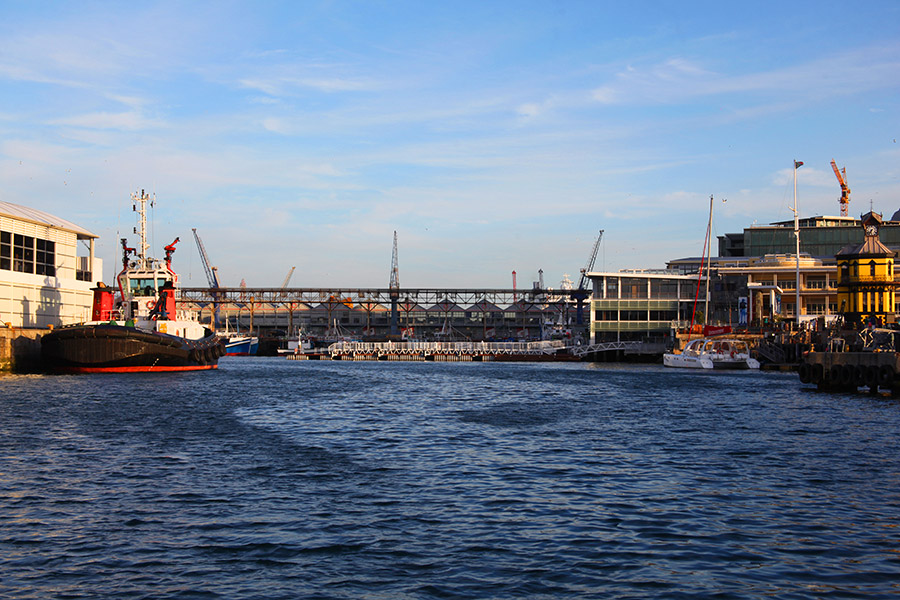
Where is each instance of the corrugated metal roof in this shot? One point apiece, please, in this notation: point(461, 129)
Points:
point(38, 216)
point(445, 307)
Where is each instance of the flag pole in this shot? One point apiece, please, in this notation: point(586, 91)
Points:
point(797, 165)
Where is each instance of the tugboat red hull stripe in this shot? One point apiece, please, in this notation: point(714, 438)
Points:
point(140, 369)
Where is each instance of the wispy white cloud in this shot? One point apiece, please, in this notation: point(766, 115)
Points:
point(276, 125)
point(678, 80)
point(529, 110)
point(806, 176)
point(285, 86)
point(126, 121)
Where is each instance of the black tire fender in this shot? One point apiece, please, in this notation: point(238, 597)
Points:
point(872, 376)
point(805, 372)
point(834, 374)
point(847, 375)
point(818, 372)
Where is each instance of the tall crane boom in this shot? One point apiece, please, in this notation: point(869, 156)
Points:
point(394, 286)
point(581, 293)
point(287, 279)
point(841, 175)
point(212, 274)
point(590, 264)
point(394, 283)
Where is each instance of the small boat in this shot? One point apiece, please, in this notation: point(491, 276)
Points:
point(136, 327)
point(297, 345)
point(712, 353)
point(239, 344)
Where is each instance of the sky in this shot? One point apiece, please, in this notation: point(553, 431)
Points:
point(491, 136)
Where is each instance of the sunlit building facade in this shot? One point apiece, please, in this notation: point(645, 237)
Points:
point(47, 269)
point(866, 286)
point(640, 305)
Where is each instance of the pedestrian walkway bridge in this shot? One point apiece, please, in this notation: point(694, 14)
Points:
point(411, 350)
point(587, 349)
point(554, 350)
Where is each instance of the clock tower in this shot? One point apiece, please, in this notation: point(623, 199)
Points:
point(866, 287)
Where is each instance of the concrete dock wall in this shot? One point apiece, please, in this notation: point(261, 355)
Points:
point(20, 349)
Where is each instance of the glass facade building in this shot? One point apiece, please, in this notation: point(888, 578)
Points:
point(640, 305)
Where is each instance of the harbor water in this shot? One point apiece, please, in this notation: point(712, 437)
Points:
point(276, 479)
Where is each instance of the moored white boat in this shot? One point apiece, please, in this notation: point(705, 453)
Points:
point(712, 353)
point(297, 345)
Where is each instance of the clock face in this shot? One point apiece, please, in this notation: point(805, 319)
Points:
point(871, 230)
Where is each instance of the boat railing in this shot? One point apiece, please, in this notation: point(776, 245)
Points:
point(113, 314)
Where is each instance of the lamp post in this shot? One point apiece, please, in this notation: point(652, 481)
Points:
point(797, 165)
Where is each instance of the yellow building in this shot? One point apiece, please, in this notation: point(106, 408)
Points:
point(866, 277)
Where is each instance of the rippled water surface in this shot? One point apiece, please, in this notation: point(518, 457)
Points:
point(279, 479)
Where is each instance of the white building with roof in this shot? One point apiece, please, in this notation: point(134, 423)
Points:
point(47, 269)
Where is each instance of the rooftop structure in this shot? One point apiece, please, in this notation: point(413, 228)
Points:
point(822, 236)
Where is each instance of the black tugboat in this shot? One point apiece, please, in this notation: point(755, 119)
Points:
point(135, 328)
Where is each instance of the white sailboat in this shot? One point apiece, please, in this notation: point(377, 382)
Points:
point(711, 353)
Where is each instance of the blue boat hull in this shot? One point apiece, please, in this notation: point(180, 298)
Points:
point(245, 346)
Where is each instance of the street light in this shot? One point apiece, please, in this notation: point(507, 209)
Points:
point(797, 165)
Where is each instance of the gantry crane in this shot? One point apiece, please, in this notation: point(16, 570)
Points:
point(845, 189)
point(284, 284)
point(394, 286)
point(581, 293)
point(590, 265)
point(212, 275)
point(287, 279)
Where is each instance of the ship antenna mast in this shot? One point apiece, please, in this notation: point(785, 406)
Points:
point(140, 206)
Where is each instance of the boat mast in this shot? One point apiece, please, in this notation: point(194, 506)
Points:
point(797, 165)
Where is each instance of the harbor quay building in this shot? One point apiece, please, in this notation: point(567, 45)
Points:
point(763, 291)
point(47, 266)
point(640, 305)
point(754, 281)
point(752, 292)
point(767, 282)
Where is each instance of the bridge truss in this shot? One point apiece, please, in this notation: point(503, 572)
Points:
point(362, 296)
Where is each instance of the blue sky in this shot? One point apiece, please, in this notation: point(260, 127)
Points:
point(493, 136)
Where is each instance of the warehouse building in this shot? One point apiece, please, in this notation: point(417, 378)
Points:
point(47, 269)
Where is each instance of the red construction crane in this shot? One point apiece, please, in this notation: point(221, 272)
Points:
point(845, 190)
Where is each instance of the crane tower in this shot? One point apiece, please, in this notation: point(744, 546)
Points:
point(395, 267)
point(394, 287)
point(841, 175)
point(581, 293)
point(212, 275)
